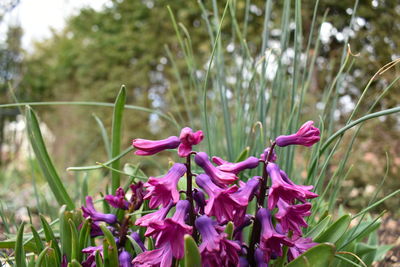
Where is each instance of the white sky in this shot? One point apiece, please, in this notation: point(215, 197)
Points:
point(37, 17)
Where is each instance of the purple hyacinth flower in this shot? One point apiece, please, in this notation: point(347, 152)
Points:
point(270, 241)
point(238, 232)
point(260, 258)
point(90, 211)
point(150, 147)
point(161, 257)
point(162, 190)
point(188, 139)
point(64, 261)
point(136, 237)
point(219, 177)
point(291, 217)
point(172, 230)
point(118, 200)
point(219, 161)
point(281, 189)
point(221, 203)
point(124, 259)
point(249, 163)
point(306, 188)
point(91, 258)
point(216, 249)
point(153, 217)
point(300, 246)
point(200, 200)
point(307, 135)
point(264, 155)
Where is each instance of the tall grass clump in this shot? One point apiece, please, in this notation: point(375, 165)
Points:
point(251, 108)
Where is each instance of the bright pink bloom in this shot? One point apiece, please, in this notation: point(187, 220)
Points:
point(188, 139)
point(171, 231)
point(307, 135)
point(219, 161)
point(264, 155)
point(227, 204)
point(162, 190)
point(216, 249)
point(291, 217)
point(281, 189)
point(301, 245)
point(90, 211)
point(161, 257)
point(217, 176)
point(156, 216)
point(249, 163)
point(149, 147)
point(118, 200)
point(270, 241)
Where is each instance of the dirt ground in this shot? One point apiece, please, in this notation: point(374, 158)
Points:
point(389, 233)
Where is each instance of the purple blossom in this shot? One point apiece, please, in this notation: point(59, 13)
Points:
point(149, 147)
point(90, 211)
point(270, 241)
point(291, 217)
point(138, 194)
point(249, 163)
point(218, 177)
point(161, 257)
point(306, 188)
point(118, 200)
point(244, 195)
point(171, 231)
point(91, 258)
point(300, 246)
point(281, 189)
point(153, 217)
point(64, 261)
point(162, 190)
point(188, 139)
point(124, 259)
point(307, 135)
point(260, 259)
point(219, 161)
point(221, 202)
point(216, 249)
point(264, 155)
point(95, 229)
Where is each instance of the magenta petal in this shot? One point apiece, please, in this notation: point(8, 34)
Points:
point(159, 257)
point(163, 190)
point(149, 147)
point(291, 217)
point(307, 135)
point(219, 177)
point(90, 211)
point(249, 163)
point(188, 139)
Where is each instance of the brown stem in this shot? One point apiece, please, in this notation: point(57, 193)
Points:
point(189, 195)
point(255, 235)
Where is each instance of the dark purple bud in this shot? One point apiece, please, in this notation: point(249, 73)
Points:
point(265, 154)
point(200, 200)
point(307, 135)
point(64, 261)
point(260, 259)
point(149, 147)
point(124, 259)
point(137, 239)
point(118, 200)
point(138, 193)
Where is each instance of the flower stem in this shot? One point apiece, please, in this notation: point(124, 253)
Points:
point(255, 234)
point(189, 195)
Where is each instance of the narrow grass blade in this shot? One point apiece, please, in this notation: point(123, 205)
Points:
point(46, 165)
point(104, 136)
point(20, 260)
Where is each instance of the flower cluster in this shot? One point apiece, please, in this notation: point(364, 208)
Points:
point(204, 212)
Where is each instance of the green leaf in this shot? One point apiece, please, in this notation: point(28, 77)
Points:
point(111, 247)
point(44, 160)
point(65, 232)
point(99, 261)
point(104, 135)
point(381, 252)
point(319, 256)
point(42, 258)
point(229, 230)
point(116, 136)
point(135, 245)
point(319, 227)
point(48, 232)
point(192, 255)
point(74, 263)
point(84, 236)
point(20, 260)
point(335, 231)
point(74, 240)
point(243, 155)
point(37, 239)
